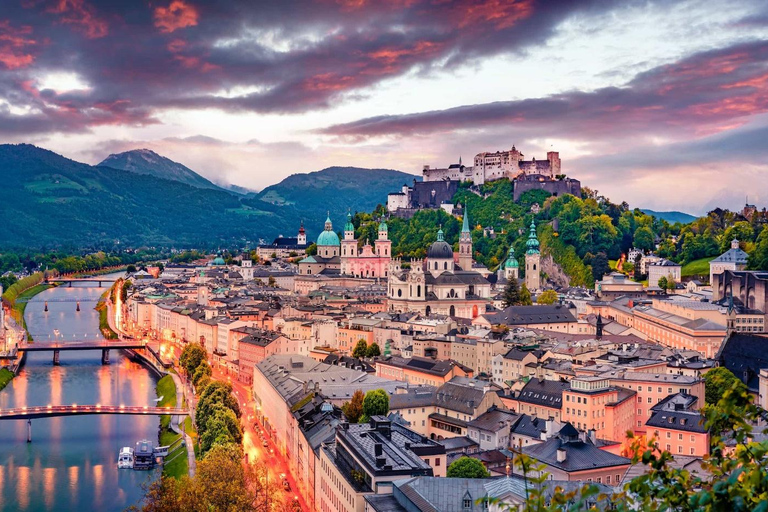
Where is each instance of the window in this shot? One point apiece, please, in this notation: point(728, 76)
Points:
point(467, 503)
point(680, 437)
point(437, 462)
point(650, 400)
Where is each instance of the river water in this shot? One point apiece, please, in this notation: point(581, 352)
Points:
point(71, 463)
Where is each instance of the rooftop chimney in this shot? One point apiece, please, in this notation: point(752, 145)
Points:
point(561, 455)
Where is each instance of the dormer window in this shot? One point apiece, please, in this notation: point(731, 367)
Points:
point(467, 503)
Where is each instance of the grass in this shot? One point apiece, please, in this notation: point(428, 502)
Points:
point(698, 267)
point(20, 305)
point(6, 376)
point(103, 310)
point(179, 466)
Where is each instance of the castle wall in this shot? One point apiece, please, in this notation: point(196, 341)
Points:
point(555, 187)
point(432, 194)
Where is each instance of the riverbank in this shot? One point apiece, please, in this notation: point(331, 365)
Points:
point(104, 327)
point(20, 305)
point(177, 465)
point(6, 376)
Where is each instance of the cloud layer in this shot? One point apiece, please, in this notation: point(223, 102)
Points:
point(318, 71)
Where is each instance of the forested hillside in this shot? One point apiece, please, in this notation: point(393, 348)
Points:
point(582, 235)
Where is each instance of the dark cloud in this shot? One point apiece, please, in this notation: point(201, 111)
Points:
point(291, 56)
point(706, 93)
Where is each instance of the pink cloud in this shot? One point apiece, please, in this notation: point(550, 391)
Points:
point(178, 14)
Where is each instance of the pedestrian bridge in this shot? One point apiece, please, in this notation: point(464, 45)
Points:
point(105, 347)
point(52, 411)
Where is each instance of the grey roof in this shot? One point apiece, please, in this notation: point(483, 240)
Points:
point(397, 444)
point(736, 256)
point(425, 364)
point(579, 455)
point(523, 315)
point(420, 396)
point(493, 420)
point(548, 393)
point(529, 426)
point(457, 443)
point(440, 249)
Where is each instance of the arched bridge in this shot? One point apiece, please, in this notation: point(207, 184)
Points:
point(52, 411)
point(82, 345)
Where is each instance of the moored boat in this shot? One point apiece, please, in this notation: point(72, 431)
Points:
point(125, 458)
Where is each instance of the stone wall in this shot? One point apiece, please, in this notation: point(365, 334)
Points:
point(555, 275)
point(554, 187)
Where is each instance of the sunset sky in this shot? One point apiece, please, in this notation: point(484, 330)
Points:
point(661, 104)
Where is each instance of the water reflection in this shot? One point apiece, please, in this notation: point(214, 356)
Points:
point(71, 462)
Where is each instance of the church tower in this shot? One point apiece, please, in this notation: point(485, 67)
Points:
point(532, 261)
point(349, 244)
point(302, 238)
point(511, 266)
point(383, 243)
point(465, 243)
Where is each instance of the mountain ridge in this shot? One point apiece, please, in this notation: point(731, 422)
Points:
point(147, 162)
point(671, 216)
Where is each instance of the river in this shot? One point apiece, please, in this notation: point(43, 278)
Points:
point(71, 462)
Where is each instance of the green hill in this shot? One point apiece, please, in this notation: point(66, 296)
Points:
point(51, 201)
point(337, 189)
point(144, 161)
point(671, 217)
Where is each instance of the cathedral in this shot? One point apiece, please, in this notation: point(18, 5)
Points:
point(442, 284)
point(342, 257)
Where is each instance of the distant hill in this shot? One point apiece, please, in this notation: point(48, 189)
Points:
point(48, 200)
point(337, 189)
point(671, 217)
point(145, 161)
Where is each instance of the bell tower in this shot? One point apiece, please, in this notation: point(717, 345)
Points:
point(465, 243)
point(383, 243)
point(532, 261)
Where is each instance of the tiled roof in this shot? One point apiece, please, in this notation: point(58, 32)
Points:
point(524, 315)
point(579, 455)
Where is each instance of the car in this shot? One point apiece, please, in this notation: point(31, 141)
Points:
point(264, 443)
point(286, 485)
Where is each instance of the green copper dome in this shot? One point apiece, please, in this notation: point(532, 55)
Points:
point(533, 243)
point(511, 260)
point(328, 237)
point(383, 226)
point(349, 226)
point(218, 261)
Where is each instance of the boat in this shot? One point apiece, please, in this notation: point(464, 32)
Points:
point(125, 459)
point(144, 455)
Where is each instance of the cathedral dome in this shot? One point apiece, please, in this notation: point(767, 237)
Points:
point(218, 261)
point(328, 236)
point(511, 260)
point(440, 249)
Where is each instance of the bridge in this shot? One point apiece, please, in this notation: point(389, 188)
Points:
point(69, 281)
point(83, 345)
point(52, 411)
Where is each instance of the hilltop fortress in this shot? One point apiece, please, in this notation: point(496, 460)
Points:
point(439, 184)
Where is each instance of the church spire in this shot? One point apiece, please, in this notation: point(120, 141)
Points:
point(533, 242)
point(465, 224)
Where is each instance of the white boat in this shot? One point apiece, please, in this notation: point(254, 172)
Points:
point(125, 459)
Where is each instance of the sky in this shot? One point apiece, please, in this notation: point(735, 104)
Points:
point(663, 104)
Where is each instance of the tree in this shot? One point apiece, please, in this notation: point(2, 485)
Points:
point(600, 265)
point(215, 393)
point(191, 357)
point(354, 408)
point(373, 350)
point(221, 428)
point(312, 249)
point(525, 296)
point(376, 403)
point(716, 382)
point(547, 297)
point(203, 370)
point(130, 269)
point(643, 238)
point(361, 349)
point(671, 284)
point(758, 260)
point(271, 282)
point(511, 293)
point(467, 467)
point(662, 282)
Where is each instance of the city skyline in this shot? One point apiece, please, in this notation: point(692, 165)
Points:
point(661, 104)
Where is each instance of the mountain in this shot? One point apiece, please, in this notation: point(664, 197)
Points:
point(48, 200)
point(337, 189)
point(671, 217)
point(144, 161)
